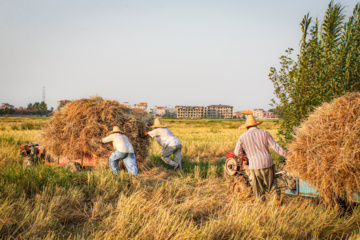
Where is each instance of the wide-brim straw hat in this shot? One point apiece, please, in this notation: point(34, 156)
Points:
point(250, 122)
point(158, 124)
point(116, 129)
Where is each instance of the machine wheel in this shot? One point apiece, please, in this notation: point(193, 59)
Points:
point(231, 167)
point(73, 166)
point(241, 186)
point(28, 162)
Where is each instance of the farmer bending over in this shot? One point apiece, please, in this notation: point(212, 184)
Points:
point(123, 151)
point(261, 168)
point(170, 144)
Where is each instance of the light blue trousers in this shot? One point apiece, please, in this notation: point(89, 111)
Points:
point(129, 161)
point(166, 153)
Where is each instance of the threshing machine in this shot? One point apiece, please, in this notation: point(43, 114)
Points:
point(238, 169)
point(34, 153)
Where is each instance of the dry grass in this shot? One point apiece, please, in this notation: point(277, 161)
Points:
point(209, 138)
point(51, 203)
point(326, 152)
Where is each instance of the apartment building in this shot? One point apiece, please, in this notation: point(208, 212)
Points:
point(258, 113)
point(127, 104)
point(172, 112)
point(160, 111)
point(190, 111)
point(6, 105)
point(219, 111)
point(270, 115)
point(142, 105)
point(261, 114)
point(61, 103)
point(238, 114)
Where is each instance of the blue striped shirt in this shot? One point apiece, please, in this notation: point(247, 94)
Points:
point(255, 143)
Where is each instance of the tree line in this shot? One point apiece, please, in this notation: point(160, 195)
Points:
point(328, 66)
point(38, 108)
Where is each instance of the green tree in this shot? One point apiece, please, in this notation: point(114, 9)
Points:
point(36, 106)
point(327, 66)
point(40, 107)
point(63, 103)
point(43, 108)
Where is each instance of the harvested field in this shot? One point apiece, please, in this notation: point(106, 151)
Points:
point(49, 202)
point(75, 130)
point(326, 152)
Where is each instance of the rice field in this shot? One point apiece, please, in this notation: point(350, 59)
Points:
point(51, 203)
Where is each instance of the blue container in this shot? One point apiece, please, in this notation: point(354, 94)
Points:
point(307, 190)
point(303, 189)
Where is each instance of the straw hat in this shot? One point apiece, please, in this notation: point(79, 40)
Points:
point(250, 122)
point(116, 129)
point(158, 124)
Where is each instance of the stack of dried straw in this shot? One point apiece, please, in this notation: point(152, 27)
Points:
point(326, 152)
point(74, 131)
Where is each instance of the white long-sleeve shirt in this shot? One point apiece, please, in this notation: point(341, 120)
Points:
point(164, 137)
point(120, 142)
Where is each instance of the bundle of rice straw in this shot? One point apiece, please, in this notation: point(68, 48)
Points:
point(326, 152)
point(74, 130)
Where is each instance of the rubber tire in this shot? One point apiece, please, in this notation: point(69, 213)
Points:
point(73, 166)
point(28, 162)
point(242, 187)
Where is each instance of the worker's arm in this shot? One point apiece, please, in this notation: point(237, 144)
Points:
point(107, 139)
point(274, 145)
point(153, 133)
point(238, 148)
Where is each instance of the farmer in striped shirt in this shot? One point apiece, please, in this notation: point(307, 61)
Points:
point(261, 168)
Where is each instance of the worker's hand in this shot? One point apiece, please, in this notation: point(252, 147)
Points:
point(99, 140)
point(146, 133)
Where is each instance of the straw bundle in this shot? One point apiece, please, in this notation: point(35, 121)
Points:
point(74, 131)
point(326, 152)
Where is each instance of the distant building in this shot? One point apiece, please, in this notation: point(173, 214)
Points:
point(219, 111)
point(142, 105)
point(190, 111)
point(160, 111)
point(61, 103)
point(6, 105)
point(247, 112)
point(261, 114)
point(127, 104)
point(258, 113)
point(270, 115)
point(150, 111)
point(171, 112)
point(238, 114)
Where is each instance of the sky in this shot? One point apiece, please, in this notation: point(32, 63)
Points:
point(163, 52)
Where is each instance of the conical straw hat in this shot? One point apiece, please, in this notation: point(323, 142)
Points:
point(158, 124)
point(116, 129)
point(250, 122)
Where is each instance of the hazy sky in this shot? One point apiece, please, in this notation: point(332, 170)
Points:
point(164, 52)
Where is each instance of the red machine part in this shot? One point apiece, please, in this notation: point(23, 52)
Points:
point(63, 160)
point(244, 159)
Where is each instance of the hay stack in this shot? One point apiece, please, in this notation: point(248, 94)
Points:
point(326, 152)
point(74, 131)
